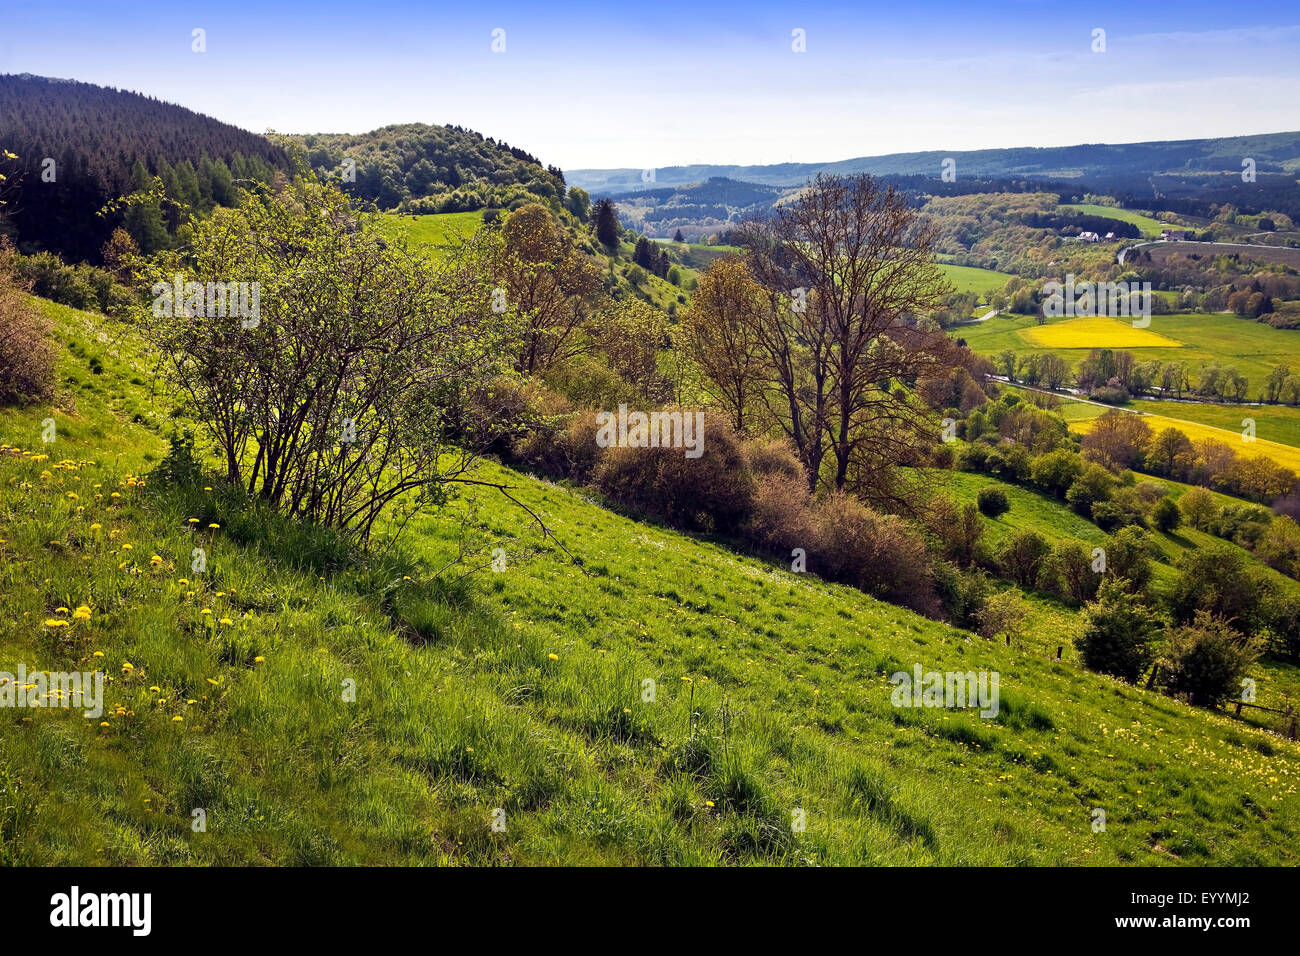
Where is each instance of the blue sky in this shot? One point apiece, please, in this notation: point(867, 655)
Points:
point(660, 82)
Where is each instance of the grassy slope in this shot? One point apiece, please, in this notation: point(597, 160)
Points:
point(1149, 226)
point(526, 693)
point(974, 279)
point(439, 231)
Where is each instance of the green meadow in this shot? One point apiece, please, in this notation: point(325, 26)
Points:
point(438, 231)
point(635, 696)
point(973, 279)
point(1149, 226)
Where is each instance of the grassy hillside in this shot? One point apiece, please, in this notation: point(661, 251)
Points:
point(525, 690)
point(1148, 225)
point(438, 231)
point(972, 279)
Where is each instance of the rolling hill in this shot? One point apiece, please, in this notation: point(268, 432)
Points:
point(655, 699)
point(1277, 153)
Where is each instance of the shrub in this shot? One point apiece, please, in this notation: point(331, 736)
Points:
point(1021, 558)
point(1283, 614)
point(1207, 659)
point(774, 457)
point(1003, 614)
point(1094, 484)
point(958, 530)
point(1198, 507)
point(26, 356)
point(1056, 471)
point(1279, 545)
point(1118, 635)
point(1166, 516)
point(973, 457)
point(1241, 524)
point(712, 493)
point(782, 517)
point(963, 594)
point(993, 502)
point(875, 553)
point(1219, 581)
point(1128, 557)
point(1124, 508)
point(1068, 571)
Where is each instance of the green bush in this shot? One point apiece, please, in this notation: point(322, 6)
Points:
point(1207, 660)
point(1119, 634)
point(993, 502)
point(1166, 516)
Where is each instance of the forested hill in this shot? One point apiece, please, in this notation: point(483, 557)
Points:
point(433, 168)
point(96, 135)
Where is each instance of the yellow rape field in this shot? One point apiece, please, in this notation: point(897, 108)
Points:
point(1284, 455)
point(1095, 332)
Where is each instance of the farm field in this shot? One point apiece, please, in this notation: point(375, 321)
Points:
point(525, 690)
point(973, 279)
point(1148, 225)
point(1160, 415)
point(1276, 423)
point(1085, 332)
point(1254, 348)
point(1284, 455)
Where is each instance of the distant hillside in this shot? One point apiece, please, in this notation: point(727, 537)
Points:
point(433, 169)
point(1277, 153)
point(697, 209)
point(95, 135)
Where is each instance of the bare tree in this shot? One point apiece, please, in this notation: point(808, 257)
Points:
point(848, 272)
